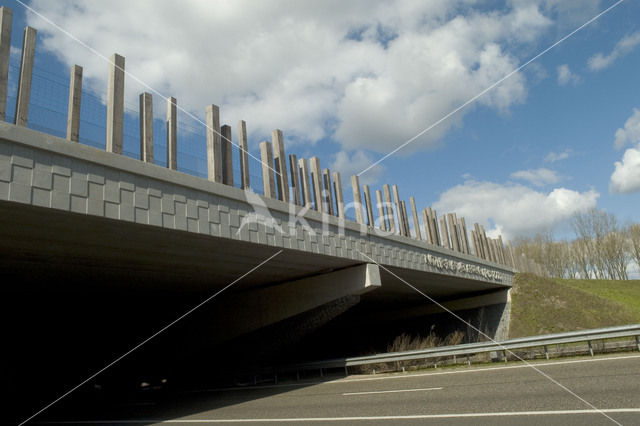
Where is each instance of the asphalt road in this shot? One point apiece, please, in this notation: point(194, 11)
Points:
point(554, 393)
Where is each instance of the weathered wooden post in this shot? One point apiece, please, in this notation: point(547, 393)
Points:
point(172, 134)
point(73, 108)
point(146, 127)
point(115, 104)
point(244, 155)
point(266, 158)
point(214, 160)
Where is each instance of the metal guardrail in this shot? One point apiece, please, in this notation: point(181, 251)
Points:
point(477, 348)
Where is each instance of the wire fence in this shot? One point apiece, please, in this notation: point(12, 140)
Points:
point(48, 113)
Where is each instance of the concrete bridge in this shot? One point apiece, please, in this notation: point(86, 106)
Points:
point(98, 250)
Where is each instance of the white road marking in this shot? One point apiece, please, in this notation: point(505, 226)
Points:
point(390, 391)
point(369, 418)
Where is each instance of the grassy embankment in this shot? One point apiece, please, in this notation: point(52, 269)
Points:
point(544, 305)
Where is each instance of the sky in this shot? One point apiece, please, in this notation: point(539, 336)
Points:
point(513, 136)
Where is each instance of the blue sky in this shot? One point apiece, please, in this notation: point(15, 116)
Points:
point(349, 83)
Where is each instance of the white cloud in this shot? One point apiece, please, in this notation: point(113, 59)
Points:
point(537, 177)
point(600, 61)
point(630, 134)
point(349, 165)
point(512, 209)
point(626, 176)
point(565, 76)
point(370, 75)
point(552, 157)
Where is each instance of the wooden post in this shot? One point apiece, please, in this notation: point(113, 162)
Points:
point(214, 160)
point(357, 199)
point(24, 80)
point(389, 208)
point(295, 182)
point(337, 186)
point(73, 108)
point(381, 211)
point(306, 185)
point(6, 17)
point(226, 152)
point(266, 157)
point(328, 196)
point(367, 203)
point(316, 181)
point(244, 155)
point(172, 133)
point(146, 127)
point(396, 196)
point(280, 161)
point(416, 220)
point(115, 104)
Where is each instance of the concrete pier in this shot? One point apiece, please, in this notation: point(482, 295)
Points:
point(244, 155)
point(316, 182)
point(357, 199)
point(115, 104)
point(389, 208)
point(337, 187)
point(367, 202)
point(381, 211)
point(172, 133)
point(295, 181)
point(214, 160)
point(280, 161)
point(6, 17)
point(268, 182)
point(146, 127)
point(307, 196)
point(73, 108)
point(24, 80)
point(226, 151)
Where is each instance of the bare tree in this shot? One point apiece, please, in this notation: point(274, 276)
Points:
point(633, 233)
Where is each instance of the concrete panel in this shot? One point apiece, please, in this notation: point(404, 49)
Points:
point(115, 104)
point(337, 186)
point(453, 237)
point(6, 17)
point(295, 181)
point(367, 202)
point(389, 209)
point(214, 154)
point(357, 199)
point(405, 219)
point(316, 181)
point(24, 79)
point(268, 182)
point(73, 109)
point(146, 127)
point(305, 183)
point(172, 134)
point(280, 161)
point(226, 151)
point(244, 155)
point(427, 230)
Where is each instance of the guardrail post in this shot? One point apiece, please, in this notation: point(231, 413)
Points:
point(590, 347)
point(546, 352)
point(505, 355)
point(468, 361)
point(321, 373)
point(346, 371)
point(638, 343)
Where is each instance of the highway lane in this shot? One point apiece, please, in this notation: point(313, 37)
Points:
point(511, 394)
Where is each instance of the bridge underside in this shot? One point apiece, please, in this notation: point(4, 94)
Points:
point(80, 291)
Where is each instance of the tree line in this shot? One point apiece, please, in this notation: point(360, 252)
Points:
point(602, 249)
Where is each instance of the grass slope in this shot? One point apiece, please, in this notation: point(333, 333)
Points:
point(544, 305)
